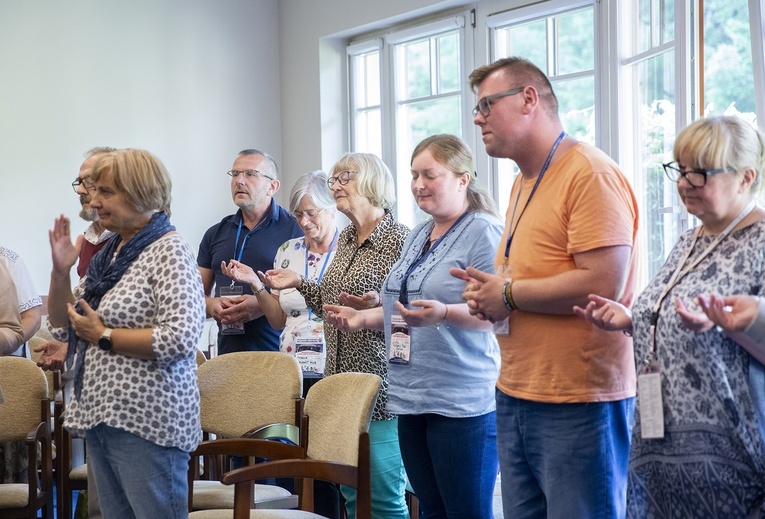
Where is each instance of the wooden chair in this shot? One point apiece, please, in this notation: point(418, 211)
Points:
point(69, 477)
point(243, 393)
point(338, 410)
point(25, 415)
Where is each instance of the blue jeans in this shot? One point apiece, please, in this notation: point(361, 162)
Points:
point(563, 460)
point(137, 478)
point(387, 474)
point(451, 463)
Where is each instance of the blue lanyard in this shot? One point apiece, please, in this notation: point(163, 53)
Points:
point(546, 165)
point(403, 295)
point(238, 255)
point(325, 261)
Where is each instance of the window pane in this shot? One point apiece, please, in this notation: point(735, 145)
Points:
point(667, 20)
point(368, 127)
point(414, 122)
point(655, 135)
point(450, 78)
point(576, 48)
point(528, 40)
point(366, 80)
point(413, 69)
point(728, 85)
point(576, 107)
point(644, 26)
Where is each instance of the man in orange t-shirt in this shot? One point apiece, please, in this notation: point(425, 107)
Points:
point(565, 395)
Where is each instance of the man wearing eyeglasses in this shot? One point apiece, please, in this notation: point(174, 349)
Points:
point(251, 235)
point(95, 235)
point(566, 390)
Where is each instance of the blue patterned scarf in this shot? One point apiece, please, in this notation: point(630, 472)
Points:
point(103, 274)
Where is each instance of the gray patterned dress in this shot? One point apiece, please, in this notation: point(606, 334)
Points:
point(711, 461)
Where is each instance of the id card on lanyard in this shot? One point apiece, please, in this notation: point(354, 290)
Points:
point(235, 290)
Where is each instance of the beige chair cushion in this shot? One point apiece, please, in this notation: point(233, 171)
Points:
point(14, 495)
point(214, 494)
point(79, 473)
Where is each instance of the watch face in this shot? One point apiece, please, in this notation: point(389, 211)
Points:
point(105, 343)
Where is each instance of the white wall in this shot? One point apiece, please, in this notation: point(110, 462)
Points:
point(192, 81)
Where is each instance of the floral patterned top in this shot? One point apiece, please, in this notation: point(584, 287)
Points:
point(357, 269)
point(712, 392)
point(301, 322)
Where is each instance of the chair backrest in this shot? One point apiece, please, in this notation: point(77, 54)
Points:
point(201, 359)
point(24, 387)
point(245, 390)
point(339, 408)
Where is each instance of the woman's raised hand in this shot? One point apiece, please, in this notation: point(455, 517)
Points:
point(63, 252)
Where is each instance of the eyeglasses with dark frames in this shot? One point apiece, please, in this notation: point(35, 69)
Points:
point(695, 177)
point(249, 174)
point(484, 104)
point(87, 184)
point(341, 178)
point(310, 213)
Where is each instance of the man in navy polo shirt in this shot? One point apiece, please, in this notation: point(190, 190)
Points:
point(251, 235)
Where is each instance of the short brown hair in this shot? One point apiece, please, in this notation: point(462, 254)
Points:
point(523, 72)
point(140, 175)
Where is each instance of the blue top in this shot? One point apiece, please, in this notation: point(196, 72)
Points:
point(258, 248)
point(452, 371)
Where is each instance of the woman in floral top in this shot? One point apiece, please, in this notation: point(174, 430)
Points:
point(363, 189)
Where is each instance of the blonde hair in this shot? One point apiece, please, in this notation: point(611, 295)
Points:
point(722, 141)
point(140, 175)
point(452, 152)
point(373, 178)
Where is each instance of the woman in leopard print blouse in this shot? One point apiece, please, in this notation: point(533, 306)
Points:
point(363, 189)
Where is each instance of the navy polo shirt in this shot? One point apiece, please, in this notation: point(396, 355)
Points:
point(258, 249)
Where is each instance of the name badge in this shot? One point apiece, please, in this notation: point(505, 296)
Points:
point(651, 405)
point(231, 329)
point(400, 341)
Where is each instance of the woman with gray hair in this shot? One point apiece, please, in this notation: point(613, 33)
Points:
point(302, 329)
point(362, 187)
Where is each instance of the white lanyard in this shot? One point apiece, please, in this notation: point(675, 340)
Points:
point(681, 272)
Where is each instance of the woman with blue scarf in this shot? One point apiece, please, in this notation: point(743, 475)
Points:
point(133, 323)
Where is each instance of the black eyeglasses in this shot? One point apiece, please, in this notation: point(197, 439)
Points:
point(342, 178)
point(87, 184)
point(249, 174)
point(484, 104)
point(695, 177)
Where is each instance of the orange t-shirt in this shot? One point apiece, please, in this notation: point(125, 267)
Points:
point(582, 203)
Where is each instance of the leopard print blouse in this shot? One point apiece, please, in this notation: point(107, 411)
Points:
point(357, 269)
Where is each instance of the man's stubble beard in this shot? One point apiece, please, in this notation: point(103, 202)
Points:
point(89, 215)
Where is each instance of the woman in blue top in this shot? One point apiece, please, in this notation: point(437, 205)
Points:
point(442, 362)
